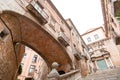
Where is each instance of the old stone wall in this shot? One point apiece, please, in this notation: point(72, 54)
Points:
point(8, 61)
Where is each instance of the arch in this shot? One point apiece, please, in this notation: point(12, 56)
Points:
point(25, 31)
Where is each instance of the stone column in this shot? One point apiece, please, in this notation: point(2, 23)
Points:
point(111, 62)
point(84, 70)
point(107, 63)
point(96, 64)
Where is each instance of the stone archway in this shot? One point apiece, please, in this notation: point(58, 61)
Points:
point(19, 29)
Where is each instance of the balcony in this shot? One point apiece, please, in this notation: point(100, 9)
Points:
point(37, 11)
point(63, 39)
point(77, 54)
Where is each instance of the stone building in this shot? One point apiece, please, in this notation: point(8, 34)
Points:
point(80, 49)
point(33, 66)
point(103, 50)
point(110, 9)
point(39, 25)
point(111, 16)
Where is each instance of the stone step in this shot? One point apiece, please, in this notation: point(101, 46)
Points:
point(113, 74)
point(108, 76)
point(101, 78)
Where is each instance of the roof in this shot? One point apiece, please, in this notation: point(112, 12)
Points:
point(91, 30)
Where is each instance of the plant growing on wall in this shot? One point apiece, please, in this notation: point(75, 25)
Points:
point(118, 15)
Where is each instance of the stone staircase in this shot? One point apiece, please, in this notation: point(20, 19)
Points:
point(111, 74)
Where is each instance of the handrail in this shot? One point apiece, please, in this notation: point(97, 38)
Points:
point(56, 76)
point(68, 74)
point(63, 35)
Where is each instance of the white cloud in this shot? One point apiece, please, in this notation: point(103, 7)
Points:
point(85, 14)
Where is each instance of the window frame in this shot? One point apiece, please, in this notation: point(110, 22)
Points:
point(96, 36)
point(34, 59)
point(25, 55)
point(89, 39)
point(31, 68)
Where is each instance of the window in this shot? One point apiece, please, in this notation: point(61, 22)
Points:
point(22, 65)
point(3, 34)
point(74, 45)
point(25, 55)
point(32, 68)
point(61, 29)
point(34, 59)
point(96, 36)
point(89, 39)
point(52, 24)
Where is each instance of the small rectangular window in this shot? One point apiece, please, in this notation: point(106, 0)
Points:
point(52, 24)
point(61, 29)
point(96, 36)
point(25, 55)
point(34, 59)
point(89, 39)
point(32, 68)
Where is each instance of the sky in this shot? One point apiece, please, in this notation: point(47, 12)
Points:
point(85, 14)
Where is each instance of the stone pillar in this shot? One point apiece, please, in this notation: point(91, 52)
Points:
point(84, 70)
point(93, 66)
point(111, 62)
point(107, 63)
point(53, 75)
point(96, 65)
point(8, 60)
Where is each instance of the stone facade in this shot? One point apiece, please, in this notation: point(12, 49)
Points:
point(38, 25)
point(110, 8)
point(80, 49)
point(33, 66)
point(112, 27)
point(103, 50)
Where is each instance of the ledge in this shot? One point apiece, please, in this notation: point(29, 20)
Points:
point(69, 74)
